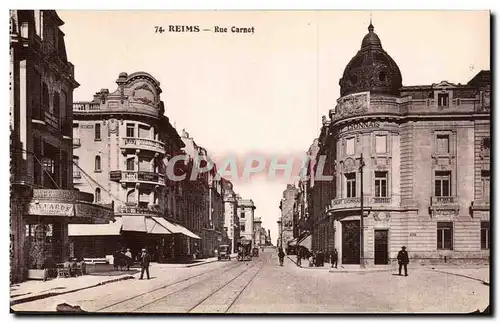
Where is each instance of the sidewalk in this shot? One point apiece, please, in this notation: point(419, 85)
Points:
point(36, 289)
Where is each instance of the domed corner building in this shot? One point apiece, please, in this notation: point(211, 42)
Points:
point(426, 174)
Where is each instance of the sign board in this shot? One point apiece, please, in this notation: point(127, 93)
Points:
point(51, 209)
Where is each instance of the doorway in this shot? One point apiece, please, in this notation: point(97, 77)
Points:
point(350, 242)
point(381, 247)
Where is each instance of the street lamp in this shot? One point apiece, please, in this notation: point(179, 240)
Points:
point(361, 222)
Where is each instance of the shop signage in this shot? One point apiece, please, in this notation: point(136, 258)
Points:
point(363, 125)
point(93, 211)
point(51, 209)
point(115, 175)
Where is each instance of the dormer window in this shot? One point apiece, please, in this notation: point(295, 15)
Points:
point(443, 99)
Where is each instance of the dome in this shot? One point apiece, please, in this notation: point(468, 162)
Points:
point(372, 69)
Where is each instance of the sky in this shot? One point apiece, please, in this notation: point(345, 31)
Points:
point(264, 93)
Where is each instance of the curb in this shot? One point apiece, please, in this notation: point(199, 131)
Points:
point(51, 294)
point(199, 264)
point(460, 275)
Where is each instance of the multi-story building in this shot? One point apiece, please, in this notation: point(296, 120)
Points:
point(417, 157)
point(43, 201)
point(122, 145)
point(261, 236)
point(246, 213)
point(287, 214)
point(231, 220)
point(208, 199)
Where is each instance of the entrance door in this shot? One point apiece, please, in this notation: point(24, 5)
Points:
point(350, 242)
point(381, 247)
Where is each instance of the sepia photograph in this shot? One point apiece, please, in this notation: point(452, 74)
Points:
point(250, 162)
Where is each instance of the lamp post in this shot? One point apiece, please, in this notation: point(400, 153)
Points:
point(361, 222)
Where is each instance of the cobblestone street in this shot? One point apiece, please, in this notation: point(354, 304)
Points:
point(261, 286)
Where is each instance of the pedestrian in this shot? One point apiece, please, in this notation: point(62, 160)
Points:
point(128, 254)
point(145, 260)
point(403, 260)
point(281, 256)
point(299, 257)
point(334, 258)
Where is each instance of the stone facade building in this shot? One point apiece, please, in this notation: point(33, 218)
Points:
point(231, 220)
point(422, 157)
point(205, 195)
point(122, 146)
point(246, 213)
point(43, 201)
point(287, 213)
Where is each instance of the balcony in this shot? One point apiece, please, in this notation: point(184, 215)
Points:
point(137, 177)
point(481, 205)
point(143, 143)
point(444, 205)
point(153, 210)
point(382, 200)
point(443, 200)
point(76, 142)
point(86, 107)
point(115, 107)
point(77, 174)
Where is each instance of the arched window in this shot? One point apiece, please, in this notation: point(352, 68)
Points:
point(97, 163)
point(97, 195)
point(131, 197)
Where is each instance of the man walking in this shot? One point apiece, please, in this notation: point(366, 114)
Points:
point(403, 260)
point(281, 256)
point(145, 260)
point(129, 261)
point(299, 257)
point(334, 258)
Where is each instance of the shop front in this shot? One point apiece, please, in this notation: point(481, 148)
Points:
point(45, 215)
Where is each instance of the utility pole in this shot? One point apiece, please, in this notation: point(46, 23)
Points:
point(361, 222)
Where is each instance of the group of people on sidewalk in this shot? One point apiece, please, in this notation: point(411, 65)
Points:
point(317, 259)
point(124, 259)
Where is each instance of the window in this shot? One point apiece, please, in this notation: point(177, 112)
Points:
point(442, 184)
point(242, 227)
point(351, 184)
point(97, 163)
point(349, 146)
point(381, 184)
point(97, 131)
point(57, 105)
point(130, 130)
point(381, 144)
point(144, 131)
point(242, 215)
point(443, 144)
point(485, 235)
point(485, 183)
point(76, 170)
point(98, 195)
point(48, 165)
point(130, 164)
point(443, 99)
point(445, 235)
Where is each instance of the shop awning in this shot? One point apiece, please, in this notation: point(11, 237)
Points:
point(176, 228)
point(293, 242)
point(135, 223)
point(306, 242)
point(107, 229)
point(155, 226)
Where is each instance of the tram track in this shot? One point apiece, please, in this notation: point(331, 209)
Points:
point(233, 290)
point(123, 303)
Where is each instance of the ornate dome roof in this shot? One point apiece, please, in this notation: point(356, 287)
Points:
point(372, 69)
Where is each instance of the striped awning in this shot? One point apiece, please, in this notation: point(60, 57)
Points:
point(107, 229)
point(306, 242)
